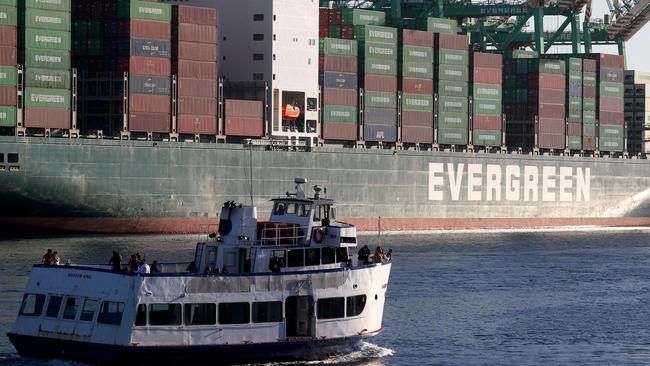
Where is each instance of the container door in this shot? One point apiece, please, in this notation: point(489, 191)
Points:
point(300, 320)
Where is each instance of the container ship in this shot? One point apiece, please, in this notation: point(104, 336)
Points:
point(135, 116)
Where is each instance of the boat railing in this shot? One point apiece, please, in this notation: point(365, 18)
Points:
point(282, 236)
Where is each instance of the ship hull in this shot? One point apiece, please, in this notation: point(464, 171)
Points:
point(112, 186)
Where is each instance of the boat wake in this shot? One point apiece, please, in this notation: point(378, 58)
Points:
point(368, 355)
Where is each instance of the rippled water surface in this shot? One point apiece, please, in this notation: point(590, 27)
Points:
point(485, 298)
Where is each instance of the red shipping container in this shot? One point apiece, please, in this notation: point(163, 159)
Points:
point(487, 60)
point(8, 36)
point(417, 135)
point(551, 111)
point(150, 66)
point(340, 131)
point(197, 125)
point(553, 126)
point(611, 118)
point(589, 66)
point(417, 38)
point(8, 96)
point(611, 104)
point(8, 56)
point(323, 32)
point(47, 118)
point(613, 61)
point(323, 17)
point(335, 16)
point(244, 108)
point(417, 119)
point(195, 33)
point(149, 103)
point(338, 63)
point(150, 122)
point(546, 81)
point(200, 106)
point(194, 15)
point(342, 97)
point(416, 86)
point(485, 75)
point(380, 83)
point(244, 126)
point(196, 69)
point(588, 91)
point(489, 123)
point(144, 29)
point(589, 143)
point(450, 41)
point(197, 88)
point(546, 96)
point(552, 141)
point(195, 51)
point(574, 129)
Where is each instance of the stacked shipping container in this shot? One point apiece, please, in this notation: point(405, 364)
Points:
point(610, 90)
point(487, 99)
point(573, 104)
point(194, 61)
point(8, 60)
point(589, 104)
point(338, 76)
point(244, 118)
point(45, 43)
point(637, 111)
point(416, 85)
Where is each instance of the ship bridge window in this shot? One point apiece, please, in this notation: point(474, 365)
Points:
point(355, 305)
point(296, 258)
point(331, 308)
point(111, 313)
point(71, 307)
point(329, 255)
point(312, 257)
point(200, 314)
point(89, 309)
point(53, 306)
point(322, 213)
point(165, 314)
point(32, 305)
point(234, 313)
point(341, 255)
point(267, 312)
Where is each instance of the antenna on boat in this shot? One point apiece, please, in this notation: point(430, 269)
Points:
point(250, 161)
point(379, 232)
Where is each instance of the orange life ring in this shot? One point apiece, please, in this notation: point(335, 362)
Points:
point(319, 235)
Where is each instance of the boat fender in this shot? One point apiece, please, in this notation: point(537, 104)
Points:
point(319, 235)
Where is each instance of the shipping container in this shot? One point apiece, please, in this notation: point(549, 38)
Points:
point(487, 107)
point(452, 104)
point(380, 83)
point(197, 88)
point(195, 124)
point(339, 131)
point(339, 80)
point(361, 17)
point(417, 119)
point(196, 105)
point(8, 36)
point(342, 47)
point(419, 70)
point(554, 126)
point(489, 123)
point(8, 16)
point(150, 66)
point(42, 98)
point(47, 118)
point(195, 33)
point(149, 122)
point(47, 78)
point(417, 102)
point(7, 116)
point(142, 47)
point(376, 132)
point(442, 25)
point(452, 73)
point(486, 60)
point(194, 15)
point(379, 67)
point(453, 136)
point(8, 56)
point(8, 75)
point(453, 88)
point(450, 42)
point(342, 97)
point(552, 141)
point(144, 29)
point(417, 134)
point(196, 69)
point(574, 142)
point(44, 19)
point(337, 63)
point(486, 75)
point(486, 91)
point(244, 126)
point(453, 120)
point(44, 39)
point(141, 10)
point(139, 103)
point(155, 85)
point(57, 5)
point(244, 108)
point(340, 114)
point(375, 34)
point(8, 95)
point(611, 144)
point(416, 54)
point(416, 38)
point(486, 137)
point(416, 86)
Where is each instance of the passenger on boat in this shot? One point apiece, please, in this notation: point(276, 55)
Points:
point(363, 255)
point(144, 267)
point(133, 263)
point(54, 259)
point(116, 261)
point(275, 266)
point(154, 267)
point(379, 256)
point(389, 255)
point(47, 257)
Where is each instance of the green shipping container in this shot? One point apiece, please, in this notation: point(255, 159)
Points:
point(47, 78)
point(487, 91)
point(380, 99)
point(575, 64)
point(41, 58)
point(453, 136)
point(362, 17)
point(8, 16)
point(452, 104)
point(612, 131)
point(521, 54)
point(574, 115)
point(486, 107)
point(378, 50)
point(589, 104)
point(611, 144)
point(589, 79)
point(419, 70)
point(45, 39)
point(416, 54)
point(45, 19)
point(8, 76)
point(333, 113)
point(486, 138)
point(608, 89)
point(589, 129)
point(452, 72)
point(575, 103)
point(575, 78)
point(376, 34)
point(343, 47)
point(133, 9)
point(56, 5)
point(453, 120)
point(588, 116)
point(417, 102)
point(7, 116)
point(47, 98)
point(453, 88)
point(547, 66)
point(380, 67)
point(442, 25)
point(8, 2)
point(452, 57)
point(575, 142)
point(334, 31)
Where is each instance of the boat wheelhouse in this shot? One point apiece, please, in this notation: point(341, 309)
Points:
point(281, 290)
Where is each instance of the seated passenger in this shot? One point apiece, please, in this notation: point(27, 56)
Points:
point(54, 259)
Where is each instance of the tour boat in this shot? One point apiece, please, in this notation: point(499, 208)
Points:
point(289, 289)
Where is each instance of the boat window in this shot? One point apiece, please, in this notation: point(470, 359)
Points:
point(53, 306)
point(331, 308)
point(328, 256)
point(341, 255)
point(291, 209)
point(200, 314)
point(267, 312)
point(355, 305)
point(71, 306)
point(89, 309)
point(234, 313)
point(281, 255)
point(296, 258)
point(141, 315)
point(312, 257)
point(165, 314)
point(280, 209)
point(303, 210)
point(318, 212)
point(32, 305)
point(111, 313)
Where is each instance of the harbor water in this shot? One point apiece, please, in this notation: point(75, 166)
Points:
point(467, 298)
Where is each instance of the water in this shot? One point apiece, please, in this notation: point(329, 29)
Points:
point(578, 298)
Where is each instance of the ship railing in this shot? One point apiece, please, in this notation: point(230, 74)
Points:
point(282, 236)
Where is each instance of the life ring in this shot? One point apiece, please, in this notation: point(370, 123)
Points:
point(319, 235)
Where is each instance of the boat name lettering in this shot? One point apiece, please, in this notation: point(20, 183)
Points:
point(491, 182)
point(80, 275)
